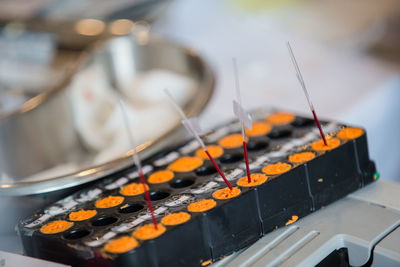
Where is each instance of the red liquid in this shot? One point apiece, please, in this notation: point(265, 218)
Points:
point(147, 197)
point(246, 159)
point(319, 127)
point(218, 169)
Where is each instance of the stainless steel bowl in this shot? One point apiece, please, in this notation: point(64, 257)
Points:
point(42, 134)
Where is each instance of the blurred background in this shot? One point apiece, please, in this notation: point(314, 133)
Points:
point(348, 51)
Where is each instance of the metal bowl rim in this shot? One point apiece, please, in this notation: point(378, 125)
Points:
point(93, 173)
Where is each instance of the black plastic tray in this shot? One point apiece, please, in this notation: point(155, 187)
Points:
point(233, 224)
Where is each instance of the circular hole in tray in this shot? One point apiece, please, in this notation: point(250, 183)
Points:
point(301, 122)
point(181, 183)
point(130, 208)
point(158, 195)
point(231, 158)
point(257, 145)
point(76, 234)
point(280, 132)
point(206, 170)
point(103, 221)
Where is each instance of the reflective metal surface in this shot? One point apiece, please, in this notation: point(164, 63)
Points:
point(49, 144)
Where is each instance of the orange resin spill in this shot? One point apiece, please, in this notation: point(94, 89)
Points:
point(256, 179)
point(56, 227)
point(226, 193)
point(277, 168)
point(185, 164)
point(294, 219)
point(160, 177)
point(176, 218)
point(109, 202)
point(350, 133)
point(206, 263)
point(281, 118)
point(301, 157)
point(148, 231)
point(215, 152)
point(81, 215)
point(121, 245)
point(133, 189)
point(202, 205)
point(320, 146)
point(259, 129)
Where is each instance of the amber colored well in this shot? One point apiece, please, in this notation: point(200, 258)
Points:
point(320, 146)
point(148, 231)
point(256, 179)
point(231, 141)
point(133, 189)
point(301, 157)
point(121, 245)
point(215, 152)
point(259, 129)
point(109, 202)
point(350, 133)
point(176, 218)
point(56, 227)
point(185, 164)
point(81, 215)
point(226, 193)
point(281, 118)
point(202, 205)
point(160, 177)
point(277, 168)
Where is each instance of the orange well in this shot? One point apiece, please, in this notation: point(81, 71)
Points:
point(185, 164)
point(121, 245)
point(281, 118)
point(259, 129)
point(215, 152)
point(81, 215)
point(148, 231)
point(176, 218)
point(231, 141)
point(160, 177)
point(301, 157)
point(109, 202)
point(133, 189)
point(350, 133)
point(56, 227)
point(320, 146)
point(226, 193)
point(202, 205)
point(256, 179)
point(277, 168)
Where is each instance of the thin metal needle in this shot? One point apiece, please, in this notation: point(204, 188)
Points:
point(246, 157)
point(136, 160)
point(303, 85)
point(196, 135)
